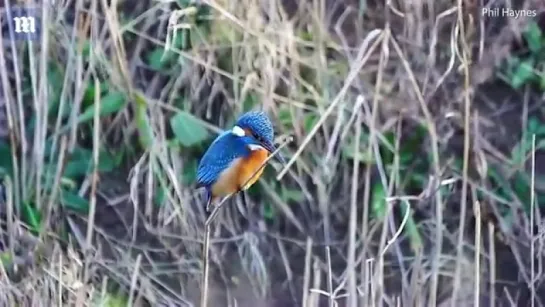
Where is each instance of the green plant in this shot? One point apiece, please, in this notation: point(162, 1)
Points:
point(528, 67)
point(517, 185)
point(410, 173)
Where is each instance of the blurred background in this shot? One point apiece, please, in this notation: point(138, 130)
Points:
point(416, 173)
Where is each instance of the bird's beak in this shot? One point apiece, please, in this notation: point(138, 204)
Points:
point(271, 148)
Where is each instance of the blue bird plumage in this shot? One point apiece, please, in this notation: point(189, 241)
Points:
point(221, 153)
point(258, 123)
point(252, 135)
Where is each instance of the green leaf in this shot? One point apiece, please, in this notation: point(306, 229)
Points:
point(411, 228)
point(180, 40)
point(145, 132)
point(111, 103)
point(533, 36)
point(32, 217)
point(349, 150)
point(412, 145)
point(90, 91)
point(268, 212)
point(540, 145)
point(541, 130)
point(502, 186)
point(521, 187)
point(73, 201)
point(55, 79)
point(523, 73)
point(533, 125)
point(405, 158)
point(306, 36)
point(387, 147)
point(309, 122)
point(86, 50)
point(6, 259)
point(81, 162)
point(518, 153)
point(48, 176)
point(160, 59)
point(189, 173)
point(292, 195)
point(6, 161)
point(284, 117)
point(184, 3)
point(378, 201)
point(160, 195)
point(183, 37)
point(107, 162)
point(198, 35)
point(155, 59)
point(110, 300)
point(188, 129)
point(250, 101)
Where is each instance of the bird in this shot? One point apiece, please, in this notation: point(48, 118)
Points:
point(234, 160)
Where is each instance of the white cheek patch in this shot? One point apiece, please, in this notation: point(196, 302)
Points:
point(238, 131)
point(253, 147)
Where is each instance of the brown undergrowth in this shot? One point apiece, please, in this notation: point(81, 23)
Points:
point(413, 178)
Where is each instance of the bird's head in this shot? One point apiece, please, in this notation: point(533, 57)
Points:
point(256, 130)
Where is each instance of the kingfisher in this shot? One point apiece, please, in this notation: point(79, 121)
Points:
point(234, 160)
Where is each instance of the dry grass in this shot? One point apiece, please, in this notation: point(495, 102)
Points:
point(350, 81)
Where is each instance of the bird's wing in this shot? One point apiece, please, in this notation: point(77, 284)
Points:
point(221, 153)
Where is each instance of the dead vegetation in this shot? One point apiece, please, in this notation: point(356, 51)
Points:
point(414, 177)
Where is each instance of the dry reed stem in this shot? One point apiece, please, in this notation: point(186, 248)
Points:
point(364, 53)
point(306, 275)
point(134, 280)
point(350, 262)
point(436, 168)
point(464, 57)
point(477, 257)
point(93, 201)
point(531, 231)
point(492, 263)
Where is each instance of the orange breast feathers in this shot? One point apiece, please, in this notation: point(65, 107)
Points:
point(233, 178)
point(250, 166)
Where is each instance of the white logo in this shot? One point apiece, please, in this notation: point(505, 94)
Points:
point(25, 24)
